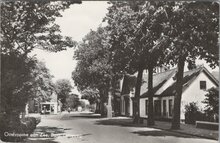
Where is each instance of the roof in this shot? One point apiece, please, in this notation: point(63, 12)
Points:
point(216, 74)
point(159, 80)
point(188, 78)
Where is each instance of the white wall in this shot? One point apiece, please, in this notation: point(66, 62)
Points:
point(194, 94)
point(143, 101)
point(142, 107)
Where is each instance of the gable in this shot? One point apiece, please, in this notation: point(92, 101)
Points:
point(195, 85)
point(189, 78)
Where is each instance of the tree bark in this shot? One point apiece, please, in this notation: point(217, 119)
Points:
point(150, 120)
point(178, 96)
point(136, 101)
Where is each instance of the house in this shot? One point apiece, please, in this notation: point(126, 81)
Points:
point(51, 106)
point(195, 84)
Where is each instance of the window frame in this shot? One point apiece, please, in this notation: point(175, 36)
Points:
point(202, 85)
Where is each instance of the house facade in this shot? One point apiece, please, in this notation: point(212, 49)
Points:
point(196, 82)
point(52, 106)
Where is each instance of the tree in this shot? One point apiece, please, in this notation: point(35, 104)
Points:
point(193, 32)
point(121, 26)
point(91, 95)
point(72, 101)
point(42, 85)
point(212, 102)
point(136, 37)
point(25, 26)
point(16, 84)
point(94, 69)
point(63, 90)
point(24, 23)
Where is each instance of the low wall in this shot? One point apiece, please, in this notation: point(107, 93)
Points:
point(207, 125)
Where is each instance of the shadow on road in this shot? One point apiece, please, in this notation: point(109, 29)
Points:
point(50, 130)
point(41, 141)
point(86, 115)
point(119, 122)
point(161, 133)
point(129, 123)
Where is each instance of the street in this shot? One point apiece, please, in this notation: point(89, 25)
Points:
point(90, 128)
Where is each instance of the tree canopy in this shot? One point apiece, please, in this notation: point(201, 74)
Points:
point(92, 95)
point(63, 89)
point(28, 25)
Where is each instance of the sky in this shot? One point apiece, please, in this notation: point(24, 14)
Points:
point(76, 23)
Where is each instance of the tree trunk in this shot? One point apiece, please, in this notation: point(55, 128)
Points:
point(102, 102)
point(102, 106)
point(136, 101)
point(150, 120)
point(177, 98)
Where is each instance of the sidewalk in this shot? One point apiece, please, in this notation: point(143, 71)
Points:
point(188, 130)
point(185, 128)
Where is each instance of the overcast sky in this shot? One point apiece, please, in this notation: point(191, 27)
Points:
point(76, 22)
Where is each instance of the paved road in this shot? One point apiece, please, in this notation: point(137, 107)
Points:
point(84, 128)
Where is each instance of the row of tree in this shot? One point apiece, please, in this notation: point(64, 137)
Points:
point(142, 35)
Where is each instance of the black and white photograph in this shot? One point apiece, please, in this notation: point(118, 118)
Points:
point(109, 71)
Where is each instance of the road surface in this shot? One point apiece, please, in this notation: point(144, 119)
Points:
point(90, 128)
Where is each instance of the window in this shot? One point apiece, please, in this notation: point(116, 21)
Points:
point(170, 107)
point(164, 107)
point(157, 107)
point(203, 85)
point(146, 107)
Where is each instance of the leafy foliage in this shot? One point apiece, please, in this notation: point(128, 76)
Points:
point(192, 113)
point(27, 25)
point(16, 82)
point(72, 101)
point(91, 95)
point(63, 89)
point(212, 101)
point(42, 85)
point(93, 68)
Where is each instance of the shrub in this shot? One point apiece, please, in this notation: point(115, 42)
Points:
point(29, 124)
point(193, 114)
point(212, 104)
point(25, 126)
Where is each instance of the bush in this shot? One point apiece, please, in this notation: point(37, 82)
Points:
point(22, 127)
point(29, 124)
point(192, 113)
point(212, 104)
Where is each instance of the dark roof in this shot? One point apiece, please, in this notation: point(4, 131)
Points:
point(158, 81)
point(188, 78)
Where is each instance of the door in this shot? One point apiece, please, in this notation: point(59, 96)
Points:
point(157, 108)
